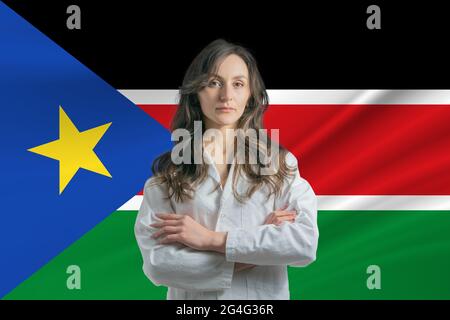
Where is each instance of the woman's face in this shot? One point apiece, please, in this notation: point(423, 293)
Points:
point(224, 99)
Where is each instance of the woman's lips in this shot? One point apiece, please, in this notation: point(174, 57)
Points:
point(225, 109)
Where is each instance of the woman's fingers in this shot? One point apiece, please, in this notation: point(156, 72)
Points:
point(279, 221)
point(168, 219)
point(171, 238)
point(166, 223)
point(272, 215)
point(276, 215)
point(284, 216)
point(169, 216)
point(166, 230)
point(284, 213)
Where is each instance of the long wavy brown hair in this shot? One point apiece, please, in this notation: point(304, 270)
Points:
point(182, 179)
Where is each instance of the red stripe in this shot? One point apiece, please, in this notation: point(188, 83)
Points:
point(161, 113)
point(362, 149)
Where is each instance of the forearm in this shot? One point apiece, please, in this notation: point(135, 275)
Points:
point(188, 269)
point(176, 265)
point(271, 245)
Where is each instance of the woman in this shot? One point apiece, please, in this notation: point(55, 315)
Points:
point(228, 230)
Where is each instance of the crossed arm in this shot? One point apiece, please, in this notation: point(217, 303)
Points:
point(174, 228)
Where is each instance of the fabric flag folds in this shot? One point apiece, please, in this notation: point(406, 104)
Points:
point(75, 153)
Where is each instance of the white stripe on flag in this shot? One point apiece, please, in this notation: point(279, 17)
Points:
point(342, 203)
point(337, 97)
point(313, 96)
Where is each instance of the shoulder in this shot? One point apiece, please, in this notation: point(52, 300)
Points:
point(292, 167)
point(290, 159)
point(153, 186)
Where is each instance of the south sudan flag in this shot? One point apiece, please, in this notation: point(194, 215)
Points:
point(377, 159)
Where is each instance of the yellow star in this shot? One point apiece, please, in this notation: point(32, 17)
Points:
point(74, 150)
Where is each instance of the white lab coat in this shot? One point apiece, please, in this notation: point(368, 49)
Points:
point(194, 274)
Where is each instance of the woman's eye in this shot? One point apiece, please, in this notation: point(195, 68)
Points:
point(239, 84)
point(214, 83)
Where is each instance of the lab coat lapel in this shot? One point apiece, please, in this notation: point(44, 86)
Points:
point(227, 189)
point(212, 171)
point(214, 174)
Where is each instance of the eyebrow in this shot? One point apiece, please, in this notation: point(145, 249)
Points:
point(235, 77)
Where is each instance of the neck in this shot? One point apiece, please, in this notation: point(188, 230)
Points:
point(227, 148)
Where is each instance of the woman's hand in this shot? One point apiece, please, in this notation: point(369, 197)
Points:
point(279, 216)
point(183, 229)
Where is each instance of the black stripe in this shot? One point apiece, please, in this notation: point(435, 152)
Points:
point(149, 46)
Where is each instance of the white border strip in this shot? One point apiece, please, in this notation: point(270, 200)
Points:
point(313, 96)
point(349, 203)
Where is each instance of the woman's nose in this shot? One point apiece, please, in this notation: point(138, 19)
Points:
point(225, 93)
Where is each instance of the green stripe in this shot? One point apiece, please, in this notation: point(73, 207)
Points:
point(110, 263)
point(411, 248)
